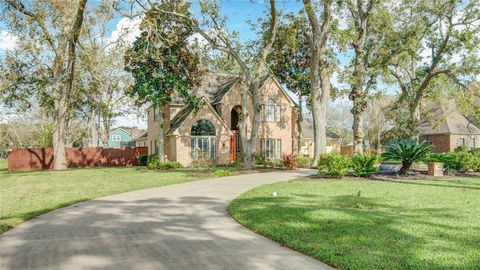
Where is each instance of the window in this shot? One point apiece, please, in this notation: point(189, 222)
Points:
point(272, 148)
point(461, 142)
point(116, 138)
point(472, 143)
point(156, 148)
point(203, 142)
point(151, 148)
point(154, 115)
point(271, 112)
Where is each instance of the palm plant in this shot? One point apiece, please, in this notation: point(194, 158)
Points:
point(407, 151)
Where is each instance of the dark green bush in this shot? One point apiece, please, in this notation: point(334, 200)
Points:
point(408, 152)
point(364, 165)
point(221, 172)
point(333, 165)
point(304, 161)
point(142, 160)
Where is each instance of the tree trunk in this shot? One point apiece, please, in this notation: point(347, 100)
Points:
point(319, 111)
point(93, 138)
point(405, 168)
point(106, 131)
point(243, 130)
point(161, 133)
point(357, 129)
point(299, 124)
point(59, 158)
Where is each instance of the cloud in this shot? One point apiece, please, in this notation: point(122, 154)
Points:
point(126, 30)
point(7, 41)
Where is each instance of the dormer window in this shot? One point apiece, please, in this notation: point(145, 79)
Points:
point(271, 111)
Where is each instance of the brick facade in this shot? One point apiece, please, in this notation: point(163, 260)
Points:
point(178, 144)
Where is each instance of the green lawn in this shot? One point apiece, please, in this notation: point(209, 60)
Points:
point(371, 224)
point(25, 195)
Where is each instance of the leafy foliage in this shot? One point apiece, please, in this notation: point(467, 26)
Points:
point(333, 165)
point(304, 161)
point(221, 173)
point(142, 160)
point(160, 60)
point(408, 152)
point(167, 165)
point(458, 161)
point(289, 161)
point(364, 165)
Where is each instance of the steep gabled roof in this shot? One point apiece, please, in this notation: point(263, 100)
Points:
point(210, 86)
point(446, 121)
point(307, 130)
point(185, 112)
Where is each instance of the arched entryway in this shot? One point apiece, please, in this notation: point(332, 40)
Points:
point(235, 117)
point(203, 140)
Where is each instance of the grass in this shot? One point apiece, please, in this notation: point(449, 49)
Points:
point(25, 195)
point(371, 224)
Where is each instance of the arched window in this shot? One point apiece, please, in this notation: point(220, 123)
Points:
point(203, 140)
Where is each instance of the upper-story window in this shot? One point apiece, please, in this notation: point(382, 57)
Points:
point(116, 138)
point(154, 115)
point(271, 111)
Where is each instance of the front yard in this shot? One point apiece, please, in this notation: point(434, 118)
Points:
point(367, 224)
point(25, 195)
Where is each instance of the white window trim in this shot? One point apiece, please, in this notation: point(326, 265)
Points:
point(270, 111)
point(116, 138)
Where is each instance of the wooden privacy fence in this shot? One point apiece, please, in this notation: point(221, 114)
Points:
point(42, 158)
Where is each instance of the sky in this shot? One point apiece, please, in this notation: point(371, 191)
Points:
point(237, 12)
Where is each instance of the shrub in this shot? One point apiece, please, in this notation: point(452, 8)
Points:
point(203, 161)
point(408, 152)
point(142, 160)
point(221, 172)
point(289, 161)
point(333, 165)
point(166, 165)
point(153, 158)
point(364, 165)
point(304, 161)
point(458, 161)
point(260, 159)
point(152, 165)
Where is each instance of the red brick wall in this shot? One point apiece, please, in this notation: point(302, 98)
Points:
point(42, 158)
point(440, 143)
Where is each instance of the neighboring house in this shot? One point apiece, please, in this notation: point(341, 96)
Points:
point(141, 140)
point(449, 130)
point(212, 131)
point(334, 142)
point(123, 137)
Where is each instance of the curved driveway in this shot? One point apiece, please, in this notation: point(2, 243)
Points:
point(183, 226)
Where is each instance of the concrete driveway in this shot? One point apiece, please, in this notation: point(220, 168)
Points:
point(183, 226)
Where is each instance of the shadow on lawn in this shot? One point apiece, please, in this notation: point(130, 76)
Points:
point(354, 232)
point(447, 183)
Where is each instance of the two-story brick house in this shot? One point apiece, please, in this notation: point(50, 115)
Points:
point(213, 129)
point(447, 130)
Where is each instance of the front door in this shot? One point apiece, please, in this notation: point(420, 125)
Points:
point(236, 147)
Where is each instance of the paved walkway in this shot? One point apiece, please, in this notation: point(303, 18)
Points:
point(183, 226)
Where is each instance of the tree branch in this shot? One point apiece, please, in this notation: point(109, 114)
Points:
point(21, 8)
